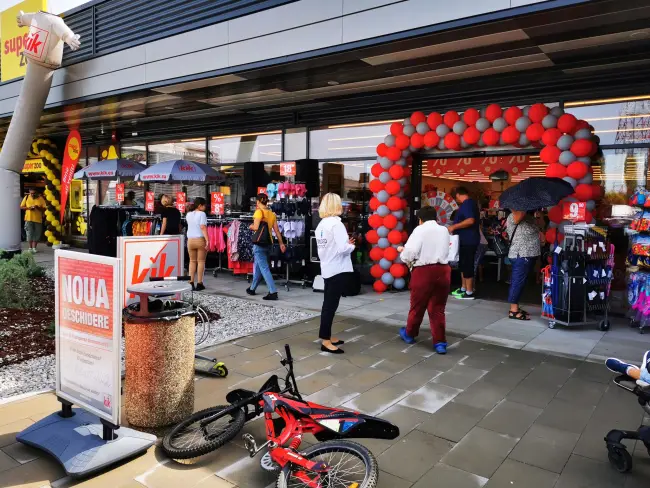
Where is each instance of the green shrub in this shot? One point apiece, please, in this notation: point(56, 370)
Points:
point(15, 288)
point(26, 260)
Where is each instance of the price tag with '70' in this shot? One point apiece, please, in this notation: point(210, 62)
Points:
point(574, 211)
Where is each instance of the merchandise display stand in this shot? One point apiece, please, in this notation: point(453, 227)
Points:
point(638, 262)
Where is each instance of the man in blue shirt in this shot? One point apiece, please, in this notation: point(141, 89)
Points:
point(466, 226)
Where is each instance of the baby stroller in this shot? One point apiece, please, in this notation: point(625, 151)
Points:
point(631, 379)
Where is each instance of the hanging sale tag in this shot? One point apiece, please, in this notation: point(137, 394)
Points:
point(574, 211)
point(181, 201)
point(288, 169)
point(217, 203)
point(119, 192)
point(149, 202)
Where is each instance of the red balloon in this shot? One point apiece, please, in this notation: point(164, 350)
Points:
point(390, 221)
point(472, 135)
point(512, 114)
point(374, 203)
point(393, 153)
point(551, 136)
point(372, 237)
point(588, 216)
point(555, 170)
point(398, 270)
point(376, 170)
point(376, 186)
point(551, 235)
point(381, 149)
point(470, 116)
point(402, 142)
point(493, 112)
point(405, 235)
point(394, 204)
point(375, 221)
point(537, 112)
point(392, 187)
point(535, 132)
point(404, 203)
point(391, 253)
point(418, 117)
point(555, 214)
point(577, 170)
point(396, 171)
point(397, 129)
point(376, 271)
point(376, 253)
point(434, 120)
point(582, 147)
point(596, 191)
point(417, 140)
point(379, 287)
point(395, 237)
point(567, 123)
point(452, 141)
point(510, 134)
point(431, 139)
point(550, 154)
point(584, 192)
point(582, 124)
point(491, 137)
point(450, 118)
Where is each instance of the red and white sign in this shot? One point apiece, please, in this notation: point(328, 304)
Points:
point(149, 201)
point(70, 161)
point(88, 331)
point(36, 42)
point(181, 201)
point(119, 192)
point(485, 165)
point(288, 169)
point(261, 190)
point(494, 205)
point(574, 211)
point(147, 256)
point(217, 203)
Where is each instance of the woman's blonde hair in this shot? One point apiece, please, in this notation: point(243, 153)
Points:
point(165, 200)
point(330, 206)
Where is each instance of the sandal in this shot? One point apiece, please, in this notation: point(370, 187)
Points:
point(518, 315)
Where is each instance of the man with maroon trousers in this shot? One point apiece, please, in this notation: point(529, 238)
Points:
point(426, 252)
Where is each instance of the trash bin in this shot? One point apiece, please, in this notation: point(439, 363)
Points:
point(159, 353)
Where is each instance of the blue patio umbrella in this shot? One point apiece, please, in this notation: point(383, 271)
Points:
point(110, 169)
point(180, 171)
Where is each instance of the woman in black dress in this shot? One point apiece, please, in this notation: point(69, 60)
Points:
point(171, 217)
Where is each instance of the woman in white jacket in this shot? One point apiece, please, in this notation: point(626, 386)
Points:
point(334, 249)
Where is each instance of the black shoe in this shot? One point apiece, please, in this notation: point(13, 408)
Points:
point(250, 292)
point(193, 286)
point(200, 287)
point(338, 343)
point(466, 296)
point(271, 296)
point(331, 351)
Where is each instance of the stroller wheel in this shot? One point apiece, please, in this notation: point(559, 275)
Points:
point(221, 370)
point(620, 458)
point(604, 325)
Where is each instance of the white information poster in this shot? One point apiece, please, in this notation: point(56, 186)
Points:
point(144, 257)
point(88, 332)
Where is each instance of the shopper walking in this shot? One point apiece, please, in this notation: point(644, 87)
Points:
point(264, 220)
point(427, 253)
point(34, 206)
point(524, 252)
point(334, 250)
point(197, 242)
point(171, 217)
point(466, 226)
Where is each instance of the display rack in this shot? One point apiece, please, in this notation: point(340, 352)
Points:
point(638, 267)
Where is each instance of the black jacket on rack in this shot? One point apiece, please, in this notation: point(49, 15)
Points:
point(104, 228)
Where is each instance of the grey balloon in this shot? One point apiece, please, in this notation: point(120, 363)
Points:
point(562, 225)
point(400, 194)
point(463, 144)
point(482, 124)
point(557, 112)
point(567, 157)
point(583, 134)
point(584, 159)
point(522, 123)
point(549, 122)
point(399, 283)
point(499, 124)
point(407, 121)
point(587, 180)
point(385, 263)
point(383, 210)
point(406, 152)
point(441, 145)
point(385, 163)
point(401, 162)
point(383, 231)
point(398, 214)
point(409, 130)
point(525, 110)
point(570, 199)
point(399, 226)
point(422, 128)
point(459, 127)
point(591, 205)
point(552, 225)
point(411, 150)
point(383, 196)
point(442, 130)
point(399, 260)
point(523, 140)
point(389, 140)
point(571, 181)
point(403, 181)
point(387, 279)
point(383, 243)
point(564, 142)
point(394, 246)
point(385, 177)
point(481, 143)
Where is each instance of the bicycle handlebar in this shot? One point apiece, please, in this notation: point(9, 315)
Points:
point(287, 350)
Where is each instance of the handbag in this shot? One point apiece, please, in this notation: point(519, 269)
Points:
point(454, 246)
point(500, 246)
point(262, 236)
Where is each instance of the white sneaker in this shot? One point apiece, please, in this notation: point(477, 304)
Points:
point(34, 251)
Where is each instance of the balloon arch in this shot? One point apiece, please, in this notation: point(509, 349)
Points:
point(568, 145)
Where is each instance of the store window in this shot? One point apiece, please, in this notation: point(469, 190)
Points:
point(295, 144)
point(232, 187)
point(242, 148)
point(347, 141)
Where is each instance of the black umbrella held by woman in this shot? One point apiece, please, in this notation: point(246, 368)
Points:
point(535, 193)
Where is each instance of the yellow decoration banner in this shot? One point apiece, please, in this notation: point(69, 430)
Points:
point(14, 38)
point(34, 166)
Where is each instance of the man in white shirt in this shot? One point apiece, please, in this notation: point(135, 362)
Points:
point(427, 253)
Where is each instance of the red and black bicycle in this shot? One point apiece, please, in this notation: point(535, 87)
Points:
point(335, 462)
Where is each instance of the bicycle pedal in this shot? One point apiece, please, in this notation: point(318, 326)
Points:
point(250, 444)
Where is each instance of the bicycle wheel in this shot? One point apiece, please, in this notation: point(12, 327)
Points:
point(351, 464)
point(187, 441)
